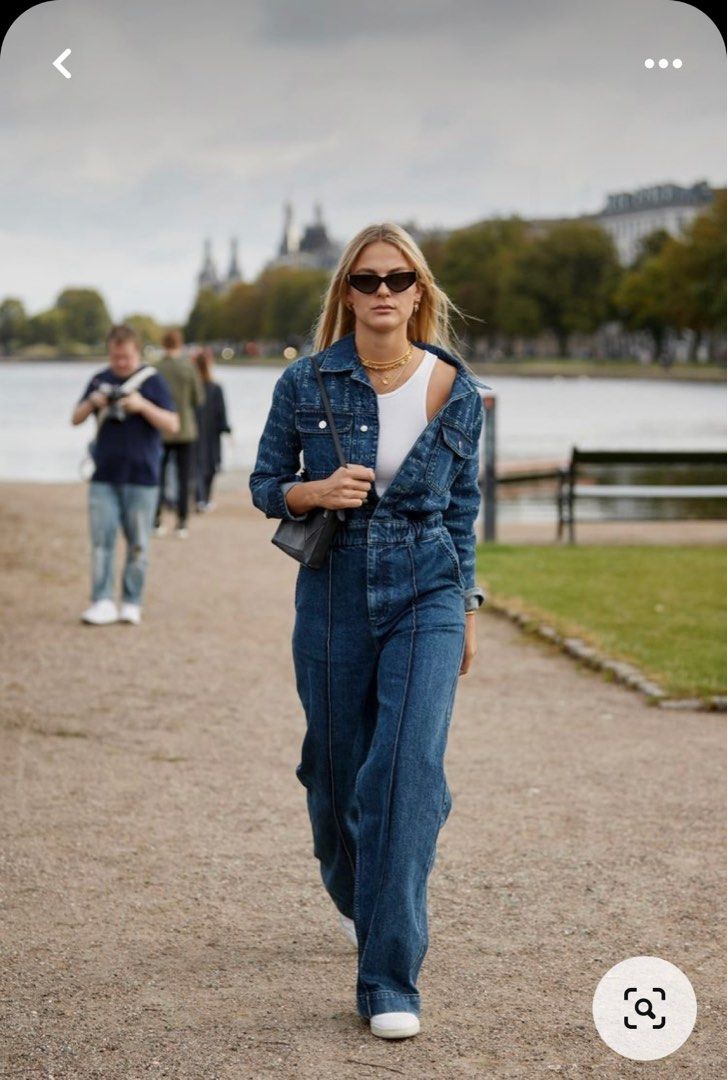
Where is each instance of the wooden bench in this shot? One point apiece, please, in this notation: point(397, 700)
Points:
point(569, 488)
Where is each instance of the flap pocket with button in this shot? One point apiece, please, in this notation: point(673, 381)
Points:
point(319, 449)
point(457, 440)
point(451, 449)
point(314, 421)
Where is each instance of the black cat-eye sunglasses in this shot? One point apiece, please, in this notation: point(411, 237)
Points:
point(397, 281)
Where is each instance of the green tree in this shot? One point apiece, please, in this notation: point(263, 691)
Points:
point(204, 321)
point(650, 245)
point(46, 328)
point(13, 323)
point(241, 312)
point(570, 273)
point(518, 313)
point(679, 282)
point(478, 267)
point(85, 316)
point(291, 300)
point(696, 263)
point(146, 327)
point(644, 297)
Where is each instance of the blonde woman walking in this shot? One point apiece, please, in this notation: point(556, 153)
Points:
point(386, 626)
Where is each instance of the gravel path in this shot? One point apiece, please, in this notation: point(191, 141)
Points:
point(162, 909)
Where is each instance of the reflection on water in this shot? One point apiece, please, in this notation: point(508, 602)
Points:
point(662, 508)
point(536, 500)
point(538, 419)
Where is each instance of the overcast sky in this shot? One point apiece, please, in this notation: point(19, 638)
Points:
point(183, 121)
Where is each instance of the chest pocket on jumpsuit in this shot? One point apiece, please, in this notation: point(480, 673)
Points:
point(319, 452)
point(451, 450)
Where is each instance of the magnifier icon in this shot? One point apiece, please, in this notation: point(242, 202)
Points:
point(648, 1012)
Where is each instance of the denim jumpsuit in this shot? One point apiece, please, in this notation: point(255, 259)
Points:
point(378, 640)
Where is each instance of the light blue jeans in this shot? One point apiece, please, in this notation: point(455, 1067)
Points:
point(130, 507)
point(378, 641)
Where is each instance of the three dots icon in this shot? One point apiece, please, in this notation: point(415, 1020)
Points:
point(677, 63)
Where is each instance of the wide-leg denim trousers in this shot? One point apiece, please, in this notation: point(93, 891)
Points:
point(378, 641)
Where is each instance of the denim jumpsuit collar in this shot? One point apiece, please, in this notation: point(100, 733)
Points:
point(342, 356)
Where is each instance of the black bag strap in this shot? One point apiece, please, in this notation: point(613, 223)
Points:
point(329, 414)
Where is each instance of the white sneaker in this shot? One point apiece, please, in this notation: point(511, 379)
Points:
point(101, 613)
point(394, 1025)
point(130, 613)
point(347, 925)
point(182, 533)
point(160, 530)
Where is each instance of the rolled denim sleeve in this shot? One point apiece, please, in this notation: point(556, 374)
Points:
point(461, 512)
point(279, 453)
point(284, 488)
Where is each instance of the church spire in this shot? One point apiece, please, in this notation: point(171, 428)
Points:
point(207, 277)
point(289, 241)
point(234, 275)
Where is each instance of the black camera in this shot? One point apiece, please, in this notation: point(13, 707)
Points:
point(114, 394)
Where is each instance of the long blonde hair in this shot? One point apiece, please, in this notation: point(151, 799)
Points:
point(431, 323)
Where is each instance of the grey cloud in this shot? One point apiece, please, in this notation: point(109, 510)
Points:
point(183, 121)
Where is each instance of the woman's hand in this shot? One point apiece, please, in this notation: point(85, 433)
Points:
point(471, 645)
point(347, 487)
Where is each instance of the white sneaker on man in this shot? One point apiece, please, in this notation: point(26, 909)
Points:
point(130, 613)
point(101, 613)
point(394, 1025)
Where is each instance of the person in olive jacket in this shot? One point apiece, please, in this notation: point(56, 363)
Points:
point(184, 381)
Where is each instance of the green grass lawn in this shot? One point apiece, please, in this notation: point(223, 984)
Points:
point(661, 608)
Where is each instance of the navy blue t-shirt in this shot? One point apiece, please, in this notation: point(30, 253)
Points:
point(130, 451)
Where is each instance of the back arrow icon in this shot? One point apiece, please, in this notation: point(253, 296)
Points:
point(58, 63)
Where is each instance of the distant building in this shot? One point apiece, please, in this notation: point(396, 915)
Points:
point(208, 277)
point(627, 216)
point(630, 215)
point(314, 247)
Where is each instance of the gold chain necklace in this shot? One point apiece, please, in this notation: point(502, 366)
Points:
point(398, 377)
point(400, 362)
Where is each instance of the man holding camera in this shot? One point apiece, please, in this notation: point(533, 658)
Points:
point(133, 407)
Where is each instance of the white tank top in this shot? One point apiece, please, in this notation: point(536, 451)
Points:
point(402, 419)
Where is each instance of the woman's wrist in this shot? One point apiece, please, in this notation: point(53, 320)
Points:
point(302, 496)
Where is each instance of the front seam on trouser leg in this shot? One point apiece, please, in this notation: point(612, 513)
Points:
point(428, 868)
point(391, 773)
point(329, 717)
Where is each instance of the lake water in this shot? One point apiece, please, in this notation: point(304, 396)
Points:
point(537, 419)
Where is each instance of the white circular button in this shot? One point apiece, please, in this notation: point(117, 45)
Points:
point(322, 423)
point(644, 1008)
point(363, 428)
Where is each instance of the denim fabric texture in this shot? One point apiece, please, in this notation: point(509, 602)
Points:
point(130, 507)
point(378, 641)
point(439, 473)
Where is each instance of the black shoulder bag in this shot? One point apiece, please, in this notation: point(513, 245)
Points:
point(309, 540)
